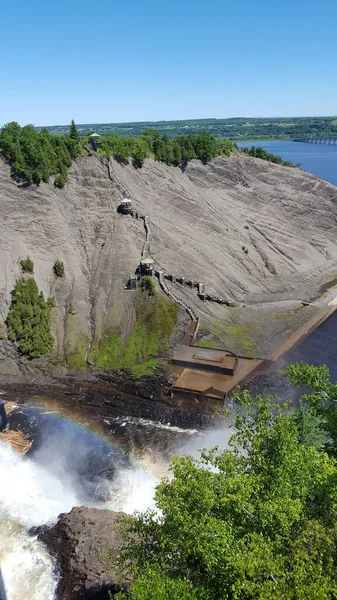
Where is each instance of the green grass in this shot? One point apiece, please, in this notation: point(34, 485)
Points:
point(150, 336)
point(238, 338)
point(203, 343)
point(106, 354)
point(77, 360)
point(145, 369)
point(281, 316)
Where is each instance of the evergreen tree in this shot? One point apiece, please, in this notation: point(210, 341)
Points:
point(28, 320)
point(73, 132)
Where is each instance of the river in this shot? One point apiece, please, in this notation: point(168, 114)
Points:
point(318, 159)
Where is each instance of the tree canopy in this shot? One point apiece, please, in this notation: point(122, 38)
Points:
point(256, 520)
point(35, 156)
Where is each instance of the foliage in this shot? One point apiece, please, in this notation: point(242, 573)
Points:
point(321, 398)
point(27, 265)
point(152, 585)
point(259, 152)
point(172, 152)
point(61, 179)
point(59, 268)
point(257, 520)
point(37, 155)
point(150, 335)
point(28, 319)
point(73, 132)
point(147, 285)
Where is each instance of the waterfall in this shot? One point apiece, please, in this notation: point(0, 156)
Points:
point(28, 496)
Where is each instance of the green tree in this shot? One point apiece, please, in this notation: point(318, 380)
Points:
point(177, 153)
point(254, 521)
point(37, 155)
point(320, 396)
point(139, 154)
point(28, 320)
point(152, 585)
point(27, 265)
point(73, 132)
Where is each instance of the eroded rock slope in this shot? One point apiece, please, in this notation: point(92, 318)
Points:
point(251, 231)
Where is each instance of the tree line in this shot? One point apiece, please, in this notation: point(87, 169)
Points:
point(238, 128)
point(152, 143)
point(259, 152)
point(37, 155)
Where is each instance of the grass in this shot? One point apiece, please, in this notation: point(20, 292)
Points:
point(144, 369)
point(77, 359)
point(150, 336)
point(281, 316)
point(203, 343)
point(106, 354)
point(238, 338)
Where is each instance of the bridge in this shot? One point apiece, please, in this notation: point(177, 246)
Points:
point(315, 140)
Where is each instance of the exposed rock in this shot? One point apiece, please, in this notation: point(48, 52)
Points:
point(85, 544)
point(200, 221)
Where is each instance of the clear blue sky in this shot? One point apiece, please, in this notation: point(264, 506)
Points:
point(135, 60)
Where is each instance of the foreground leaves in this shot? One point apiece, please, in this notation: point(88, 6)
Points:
point(254, 521)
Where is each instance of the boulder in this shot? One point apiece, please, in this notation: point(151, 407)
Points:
point(85, 544)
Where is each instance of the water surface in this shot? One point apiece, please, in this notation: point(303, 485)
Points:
point(318, 159)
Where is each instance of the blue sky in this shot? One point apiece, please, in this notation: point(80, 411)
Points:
point(135, 60)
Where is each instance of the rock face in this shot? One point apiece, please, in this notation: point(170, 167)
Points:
point(251, 231)
point(80, 542)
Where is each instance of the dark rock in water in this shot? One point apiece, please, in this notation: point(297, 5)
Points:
point(85, 544)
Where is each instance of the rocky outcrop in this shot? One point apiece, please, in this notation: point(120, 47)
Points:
point(85, 544)
point(251, 231)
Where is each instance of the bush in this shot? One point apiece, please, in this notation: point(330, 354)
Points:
point(148, 285)
point(28, 319)
point(60, 180)
point(27, 266)
point(59, 268)
point(255, 520)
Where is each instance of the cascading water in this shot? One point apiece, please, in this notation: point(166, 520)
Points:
point(68, 467)
point(28, 496)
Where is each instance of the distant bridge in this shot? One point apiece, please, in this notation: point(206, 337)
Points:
point(315, 140)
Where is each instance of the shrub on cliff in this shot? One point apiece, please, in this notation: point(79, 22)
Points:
point(147, 285)
point(257, 520)
point(59, 268)
point(28, 319)
point(27, 265)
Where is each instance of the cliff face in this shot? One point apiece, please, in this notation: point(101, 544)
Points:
point(249, 230)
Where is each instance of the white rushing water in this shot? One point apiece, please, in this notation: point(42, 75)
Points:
point(32, 495)
point(72, 467)
point(28, 496)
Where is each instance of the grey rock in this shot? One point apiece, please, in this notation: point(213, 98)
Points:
point(85, 544)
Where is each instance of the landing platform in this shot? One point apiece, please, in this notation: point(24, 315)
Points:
point(211, 384)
